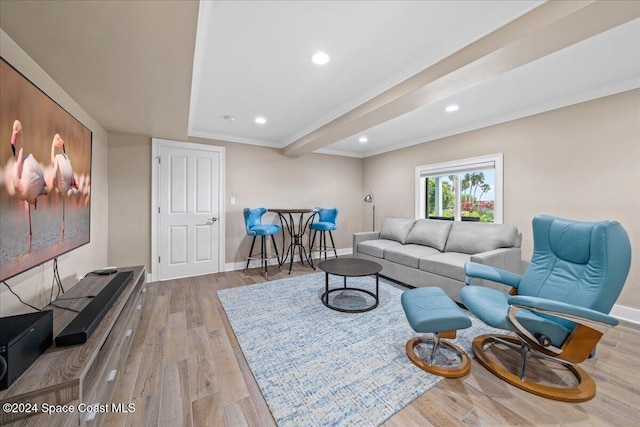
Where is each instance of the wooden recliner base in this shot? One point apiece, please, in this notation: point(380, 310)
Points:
point(583, 391)
point(443, 371)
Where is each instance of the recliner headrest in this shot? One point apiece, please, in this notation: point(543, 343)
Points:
point(571, 240)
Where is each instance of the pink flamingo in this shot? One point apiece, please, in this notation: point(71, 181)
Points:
point(62, 178)
point(28, 179)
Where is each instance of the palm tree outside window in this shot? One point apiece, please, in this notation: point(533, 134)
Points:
point(463, 190)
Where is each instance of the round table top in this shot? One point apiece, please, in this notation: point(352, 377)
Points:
point(350, 267)
point(289, 210)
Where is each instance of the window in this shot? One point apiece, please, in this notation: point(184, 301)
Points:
point(461, 190)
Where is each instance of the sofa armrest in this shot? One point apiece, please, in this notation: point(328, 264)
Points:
point(504, 258)
point(361, 237)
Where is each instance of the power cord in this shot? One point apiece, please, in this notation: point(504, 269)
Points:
point(57, 275)
point(64, 308)
point(56, 281)
point(20, 299)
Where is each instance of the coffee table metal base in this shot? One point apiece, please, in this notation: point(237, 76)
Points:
point(325, 296)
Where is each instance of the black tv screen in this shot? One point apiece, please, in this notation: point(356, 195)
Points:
point(45, 180)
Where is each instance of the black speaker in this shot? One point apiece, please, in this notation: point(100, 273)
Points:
point(22, 339)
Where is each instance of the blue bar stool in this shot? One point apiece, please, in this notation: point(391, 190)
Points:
point(255, 228)
point(326, 222)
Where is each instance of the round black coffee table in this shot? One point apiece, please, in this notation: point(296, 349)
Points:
point(349, 267)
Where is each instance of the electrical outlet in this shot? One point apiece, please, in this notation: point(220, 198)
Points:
point(233, 200)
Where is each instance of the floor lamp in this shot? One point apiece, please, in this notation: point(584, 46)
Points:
point(370, 199)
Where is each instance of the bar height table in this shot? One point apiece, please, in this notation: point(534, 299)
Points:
point(296, 233)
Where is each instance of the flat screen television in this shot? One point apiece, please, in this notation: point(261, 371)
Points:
point(45, 179)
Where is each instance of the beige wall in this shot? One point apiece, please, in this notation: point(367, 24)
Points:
point(34, 286)
point(129, 200)
point(258, 176)
point(255, 176)
point(580, 162)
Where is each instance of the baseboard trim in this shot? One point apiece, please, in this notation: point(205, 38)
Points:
point(627, 314)
point(233, 266)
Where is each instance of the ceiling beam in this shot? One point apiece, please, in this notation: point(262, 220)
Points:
point(546, 29)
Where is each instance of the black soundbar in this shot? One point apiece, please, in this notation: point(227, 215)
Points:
point(82, 326)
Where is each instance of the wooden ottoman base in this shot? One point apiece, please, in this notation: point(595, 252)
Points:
point(444, 371)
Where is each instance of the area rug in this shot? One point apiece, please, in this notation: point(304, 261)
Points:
point(320, 367)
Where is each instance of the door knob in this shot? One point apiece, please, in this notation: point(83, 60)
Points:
point(211, 220)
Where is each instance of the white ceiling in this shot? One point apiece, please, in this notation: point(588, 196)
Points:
point(254, 58)
point(602, 65)
point(173, 69)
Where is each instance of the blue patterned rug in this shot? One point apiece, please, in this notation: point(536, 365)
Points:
point(320, 367)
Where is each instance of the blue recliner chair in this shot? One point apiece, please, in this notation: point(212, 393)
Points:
point(559, 309)
point(326, 222)
point(255, 228)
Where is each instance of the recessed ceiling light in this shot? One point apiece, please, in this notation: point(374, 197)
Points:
point(451, 108)
point(230, 119)
point(363, 139)
point(260, 120)
point(320, 58)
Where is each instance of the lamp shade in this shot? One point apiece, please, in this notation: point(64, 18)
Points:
point(369, 198)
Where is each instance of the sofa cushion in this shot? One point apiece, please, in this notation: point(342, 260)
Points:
point(408, 255)
point(447, 264)
point(396, 229)
point(376, 248)
point(430, 232)
point(473, 238)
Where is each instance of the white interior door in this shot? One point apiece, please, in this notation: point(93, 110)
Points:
point(189, 213)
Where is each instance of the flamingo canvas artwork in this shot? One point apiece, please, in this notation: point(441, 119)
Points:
point(27, 178)
point(61, 176)
point(45, 176)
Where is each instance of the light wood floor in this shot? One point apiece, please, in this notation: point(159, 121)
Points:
point(186, 369)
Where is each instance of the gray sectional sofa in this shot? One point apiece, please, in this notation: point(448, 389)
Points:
point(428, 252)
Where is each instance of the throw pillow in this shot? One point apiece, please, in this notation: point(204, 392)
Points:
point(430, 232)
point(396, 229)
point(476, 237)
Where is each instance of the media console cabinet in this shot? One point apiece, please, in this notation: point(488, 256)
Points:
point(65, 377)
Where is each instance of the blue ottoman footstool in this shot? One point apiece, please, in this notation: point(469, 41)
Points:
point(430, 310)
